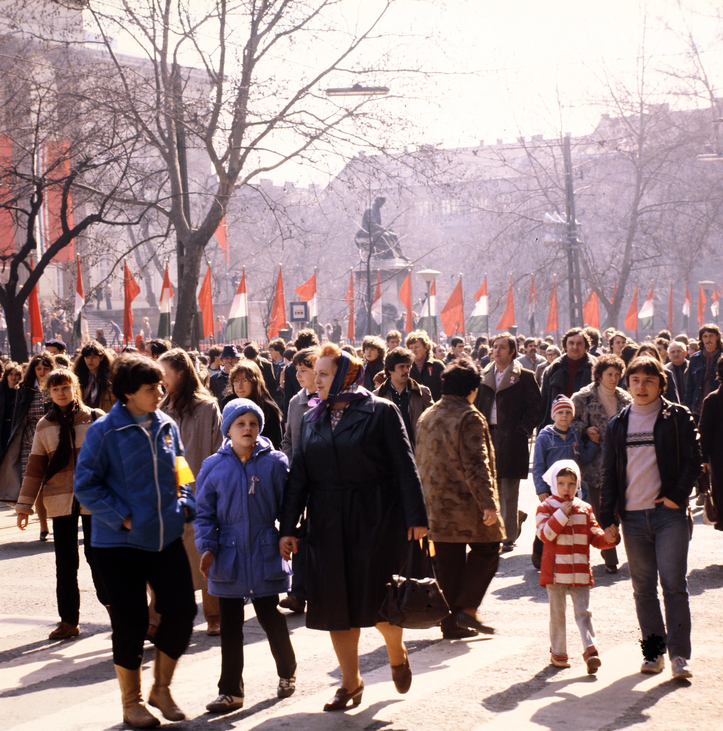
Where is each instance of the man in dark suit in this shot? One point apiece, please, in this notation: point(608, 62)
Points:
point(509, 398)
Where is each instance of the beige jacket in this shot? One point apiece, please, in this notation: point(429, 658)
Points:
point(456, 461)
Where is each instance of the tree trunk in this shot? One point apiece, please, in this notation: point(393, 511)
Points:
point(16, 331)
point(184, 327)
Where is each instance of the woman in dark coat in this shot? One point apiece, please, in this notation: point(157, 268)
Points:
point(8, 391)
point(247, 381)
point(354, 472)
point(711, 442)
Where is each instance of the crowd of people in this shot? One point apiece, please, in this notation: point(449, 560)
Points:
point(295, 478)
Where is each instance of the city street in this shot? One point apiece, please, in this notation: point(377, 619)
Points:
point(503, 682)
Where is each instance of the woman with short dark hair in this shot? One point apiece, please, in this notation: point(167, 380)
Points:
point(130, 479)
point(374, 353)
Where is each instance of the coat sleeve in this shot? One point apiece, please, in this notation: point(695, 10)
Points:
point(296, 492)
point(34, 475)
point(690, 457)
point(549, 523)
point(707, 427)
point(90, 485)
point(588, 451)
point(596, 534)
point(205, 527)
point(609, 483)
point(404, 468)
point(533, 404)
point(539, 465)
point(475, 460)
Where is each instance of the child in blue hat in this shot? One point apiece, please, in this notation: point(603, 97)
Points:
point(238, 494)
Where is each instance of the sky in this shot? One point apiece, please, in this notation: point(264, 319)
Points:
point(461, 71)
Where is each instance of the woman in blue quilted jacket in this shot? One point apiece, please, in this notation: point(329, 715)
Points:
point(239, 491)
point(126, 479)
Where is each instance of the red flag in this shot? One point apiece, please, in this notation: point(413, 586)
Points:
point(508, 316)
point(130, 291)
point(36, 322)
point(205, 302)
point(57, 167)
point(591, 311)
point(631, 319)
point(552, 325)
point(307, 290)
point(670, 309)
point(405, 296)
point(350, 301)
point(222, 238)
point(701, 306)
point(453, 313)
point(278, 308)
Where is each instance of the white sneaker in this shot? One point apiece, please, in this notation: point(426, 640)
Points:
point(225, 703)
point(680, 669)
point(653, 666)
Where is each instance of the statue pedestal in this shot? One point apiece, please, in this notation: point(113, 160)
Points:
point(392, 272)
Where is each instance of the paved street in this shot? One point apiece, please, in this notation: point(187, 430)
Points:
point(498, 683)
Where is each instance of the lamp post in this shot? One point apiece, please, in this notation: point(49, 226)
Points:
point(429, 275)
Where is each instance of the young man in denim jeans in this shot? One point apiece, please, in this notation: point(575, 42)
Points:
point(651, 460)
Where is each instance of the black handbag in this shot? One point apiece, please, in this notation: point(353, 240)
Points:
point(415, 603)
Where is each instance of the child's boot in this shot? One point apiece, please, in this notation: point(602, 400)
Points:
point(135, 712)
point(160, 695)
point(592, 660)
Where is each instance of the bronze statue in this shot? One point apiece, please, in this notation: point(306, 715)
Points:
point(383, 242)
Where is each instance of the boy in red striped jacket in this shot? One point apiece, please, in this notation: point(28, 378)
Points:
point(566, 526)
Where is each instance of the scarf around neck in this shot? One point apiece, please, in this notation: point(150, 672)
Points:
point(66, 438)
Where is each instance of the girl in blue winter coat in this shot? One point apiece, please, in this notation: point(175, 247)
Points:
point(238, 494)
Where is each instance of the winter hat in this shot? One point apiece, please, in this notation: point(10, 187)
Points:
point(230, 351)
point(235, 408)
point(562, 402)
point(550, 477)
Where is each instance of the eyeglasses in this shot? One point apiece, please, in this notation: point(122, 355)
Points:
point(241, 383)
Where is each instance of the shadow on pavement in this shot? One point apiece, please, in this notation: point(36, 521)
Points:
point(19, 549)
point(528, 587)
point(701, 580)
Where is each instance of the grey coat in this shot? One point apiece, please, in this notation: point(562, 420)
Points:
point(298, 406)
point(589, 411)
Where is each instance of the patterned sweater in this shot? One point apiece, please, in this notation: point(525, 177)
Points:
point(58, 491)
point(567, 539)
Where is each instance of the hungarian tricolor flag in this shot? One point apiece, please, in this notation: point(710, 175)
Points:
point(428, 316)
point(205, 302)
point(591, 311)
point(277, 321)
point(687, 302)
point(36, 321)
point(479, 320)
point(508, 316)
point(647, 311)
point(164, 322)
point(714, 303)
point(377, 301)
point(237, 327)
point(351, 334)
point(631, 319)
point(79, 303)
point(307, 293)
point(130, 291)
point(452, 313)
point(552, 324)
point(405, 297)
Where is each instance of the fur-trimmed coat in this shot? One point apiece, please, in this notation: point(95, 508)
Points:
point(589, 411)
point(456, 461)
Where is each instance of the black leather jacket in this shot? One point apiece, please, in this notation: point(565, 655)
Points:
point(677, 448)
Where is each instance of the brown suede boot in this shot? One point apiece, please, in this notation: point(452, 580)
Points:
point(135, 712)
point(160, 695)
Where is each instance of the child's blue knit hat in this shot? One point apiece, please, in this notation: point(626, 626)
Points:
point(235, 408)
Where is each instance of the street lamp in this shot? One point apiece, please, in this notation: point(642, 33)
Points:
point(429, 275)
